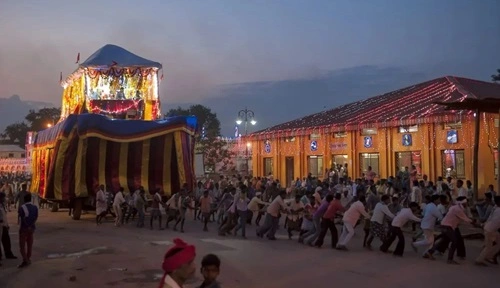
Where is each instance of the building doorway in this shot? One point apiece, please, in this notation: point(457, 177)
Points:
point(338, 159)
point(368, 159)
point(315, 166)
point(407, 159)
point(268, 166)
point(453, 163)
point(289, 170)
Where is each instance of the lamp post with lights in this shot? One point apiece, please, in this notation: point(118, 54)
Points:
point(246, 116)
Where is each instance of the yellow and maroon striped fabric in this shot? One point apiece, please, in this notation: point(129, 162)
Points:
point(74, 166)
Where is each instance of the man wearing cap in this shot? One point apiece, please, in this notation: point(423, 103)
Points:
point(178, 265)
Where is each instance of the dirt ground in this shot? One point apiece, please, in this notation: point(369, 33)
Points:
point(70, 253)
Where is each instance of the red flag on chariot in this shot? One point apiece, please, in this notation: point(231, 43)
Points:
point(60, 77)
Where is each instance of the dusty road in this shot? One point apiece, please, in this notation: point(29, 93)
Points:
point(71, 253)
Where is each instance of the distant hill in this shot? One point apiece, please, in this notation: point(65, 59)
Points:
point(13, 109)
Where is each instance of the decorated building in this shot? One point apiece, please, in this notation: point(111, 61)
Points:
point(12, 159)
point(113, 82)
point(387, 132)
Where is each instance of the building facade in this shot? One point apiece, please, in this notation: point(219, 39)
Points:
point(11, 151)
point(387, 132)
point(12, 159)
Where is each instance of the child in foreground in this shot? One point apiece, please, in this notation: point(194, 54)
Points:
point(210, 268)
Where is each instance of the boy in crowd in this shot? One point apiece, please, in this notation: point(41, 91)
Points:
point(210, 269)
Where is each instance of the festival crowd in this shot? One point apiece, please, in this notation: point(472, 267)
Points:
point(434, 213)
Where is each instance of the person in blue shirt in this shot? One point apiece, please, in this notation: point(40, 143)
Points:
point(28, 215)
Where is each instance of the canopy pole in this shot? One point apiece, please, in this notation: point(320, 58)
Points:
point(498, 156)
point(475, 166)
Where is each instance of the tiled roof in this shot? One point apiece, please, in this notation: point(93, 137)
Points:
point(410, 105)
point(11, 148)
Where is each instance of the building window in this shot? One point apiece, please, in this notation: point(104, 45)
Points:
point(315, 165)
point(314, 136)
point(289, 139)
point(368, 131)
point(453, 163)
point(369, 159)
point(407, 159)
point(268, 166)
point(23, 155)
point(11, 155)
point(340, 135)
point(408, 129)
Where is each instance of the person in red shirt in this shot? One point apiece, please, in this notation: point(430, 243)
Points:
point(328, 222)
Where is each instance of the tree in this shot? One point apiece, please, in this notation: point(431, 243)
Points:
point(496, 78)
point(16, 133)
point(206, 118)
point(43, 118)
point(216, 155)
point(36, 121)
point(210, 144)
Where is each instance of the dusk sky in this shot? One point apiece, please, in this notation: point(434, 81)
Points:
point(203, 44)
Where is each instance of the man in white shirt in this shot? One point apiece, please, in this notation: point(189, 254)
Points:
point(461, 190)
point(355, 188)
point(405, 215)
point(377, 227)
point(491, 236)
point(431, 215)
point(117, 206)
point(272, 217)
point(416, 193)
point(317, 195)
point(346, 198)
point(351, 217)
point(294, 215)
point(254, 205)
point(173, 209)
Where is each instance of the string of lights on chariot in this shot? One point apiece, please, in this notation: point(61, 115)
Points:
point(113, 82)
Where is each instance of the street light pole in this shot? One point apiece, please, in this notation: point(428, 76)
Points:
point(246, 116)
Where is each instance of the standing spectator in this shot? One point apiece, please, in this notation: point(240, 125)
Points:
point(140, 204)
point(4, 226)
point(20, 196)
point(28, 214)
point(117, 206)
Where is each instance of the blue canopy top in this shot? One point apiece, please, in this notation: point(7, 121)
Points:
point(112, 55)
point(95, 125)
